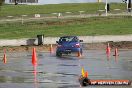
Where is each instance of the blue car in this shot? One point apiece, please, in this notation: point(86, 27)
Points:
point(68, 45)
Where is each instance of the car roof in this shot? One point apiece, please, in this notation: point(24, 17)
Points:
point(67, 36)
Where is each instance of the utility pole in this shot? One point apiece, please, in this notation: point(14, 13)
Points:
point(129, 5)
point(106, 8)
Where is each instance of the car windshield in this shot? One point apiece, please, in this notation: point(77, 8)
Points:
point(68, 39)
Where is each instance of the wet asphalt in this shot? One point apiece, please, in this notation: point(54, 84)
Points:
point(64, 72)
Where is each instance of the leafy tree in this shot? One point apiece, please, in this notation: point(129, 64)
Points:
point(1, 1)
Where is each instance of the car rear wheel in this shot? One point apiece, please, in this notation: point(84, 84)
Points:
point(59, 54)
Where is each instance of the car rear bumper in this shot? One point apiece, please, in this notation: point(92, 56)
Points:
point(72, 50)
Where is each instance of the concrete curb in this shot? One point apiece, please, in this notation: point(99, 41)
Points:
point(52, 40)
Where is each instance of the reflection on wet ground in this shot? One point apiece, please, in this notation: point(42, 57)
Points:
point(54, 72)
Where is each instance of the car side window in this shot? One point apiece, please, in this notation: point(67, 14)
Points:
point(75, 39)
point(64, 40)
point(68, 39)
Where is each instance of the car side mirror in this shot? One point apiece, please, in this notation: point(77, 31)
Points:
point(81, 40)
point(57, 41)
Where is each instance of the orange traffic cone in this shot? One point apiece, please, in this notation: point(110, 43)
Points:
point(116, 52)
point(4, 58)
point(51, 48)
point(86, 74)
point(34, 57)
point(108, 49)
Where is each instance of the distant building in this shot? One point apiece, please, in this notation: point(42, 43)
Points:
point(21, 1)
point(58, 1)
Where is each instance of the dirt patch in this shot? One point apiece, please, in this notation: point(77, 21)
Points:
point(119, 45)
point(113, 45)
point(25, 48)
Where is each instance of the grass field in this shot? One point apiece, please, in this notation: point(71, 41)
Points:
point(58, 27)
point(18, 10)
